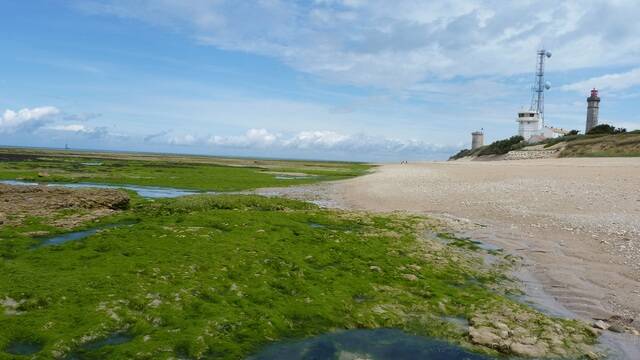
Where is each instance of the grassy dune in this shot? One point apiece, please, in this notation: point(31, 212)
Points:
point(603, 146)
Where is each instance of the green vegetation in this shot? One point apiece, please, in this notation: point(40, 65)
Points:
point(606, 129)
point(503, 146)
point(460, 154)
point(221, 276)
point(619, 145)
point(194, 173)
point(495, 148)
point(602, 141)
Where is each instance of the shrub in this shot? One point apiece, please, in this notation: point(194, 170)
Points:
point(606, 129)
point(503, 146)
point(460, 154)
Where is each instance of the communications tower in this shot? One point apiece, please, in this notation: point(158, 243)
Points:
point(531, 122)
point(539, 87)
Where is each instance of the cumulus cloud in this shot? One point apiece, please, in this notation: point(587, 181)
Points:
point(81, 129)
point(182, 139)
point(27, 119)
point(611, 82)
point(396, 44)
point(323, 141)
point(253, 138)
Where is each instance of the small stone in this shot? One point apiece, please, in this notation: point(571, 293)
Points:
point(592, 356)
point(531, 340)
point(484, 336)
point(600, 325)
point(537, 350)
point(410, 277)
point(375, 268)
point(617, 328)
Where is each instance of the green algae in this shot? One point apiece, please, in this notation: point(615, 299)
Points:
point(222, 276)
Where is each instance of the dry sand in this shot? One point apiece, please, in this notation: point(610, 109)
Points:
point(574, 222)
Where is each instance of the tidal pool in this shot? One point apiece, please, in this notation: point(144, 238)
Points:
point(78, 235)
point(88, 350)
point(23, 348)
point(379, 344)
point(144, 191)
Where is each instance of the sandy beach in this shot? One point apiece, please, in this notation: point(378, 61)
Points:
point(574, 222)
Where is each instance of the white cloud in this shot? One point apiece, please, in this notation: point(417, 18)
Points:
point(70, 127)
point(322, 141)
point(395, 44)
point(27, 119)
point(318, 140)
point(609, 82)
point(81, 129)
point(253, 138)
point(182, 139)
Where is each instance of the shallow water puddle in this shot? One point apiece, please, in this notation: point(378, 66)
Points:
point(23, 348)
point(380, 344)
point(112, 340)
point(144, 191)
point(78, 235)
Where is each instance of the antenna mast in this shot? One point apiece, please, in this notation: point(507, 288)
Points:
point(537, 92)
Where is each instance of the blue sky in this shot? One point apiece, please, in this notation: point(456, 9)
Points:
point(326, 79)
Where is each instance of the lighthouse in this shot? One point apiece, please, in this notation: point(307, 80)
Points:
point(477, 139)
point(593, 106)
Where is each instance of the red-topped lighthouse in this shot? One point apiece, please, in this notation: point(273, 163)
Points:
point(593, 107)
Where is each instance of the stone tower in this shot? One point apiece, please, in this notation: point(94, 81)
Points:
point(593, 106)
point(477, 139)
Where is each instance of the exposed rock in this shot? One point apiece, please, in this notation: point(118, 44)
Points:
point(11, 306)
point(599, 324)
point(375, 268)
point(617, 328)
point(499, 329)
point(535, 350)
point(484, 336)
point(48, 201)
point(592, 356)
point(410, 277)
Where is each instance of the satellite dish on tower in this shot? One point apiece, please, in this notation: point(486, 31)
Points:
point(548, 54)
point(547, 85)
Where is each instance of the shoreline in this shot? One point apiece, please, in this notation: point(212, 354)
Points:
point(577, 237)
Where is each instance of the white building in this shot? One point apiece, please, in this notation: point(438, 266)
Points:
point(531, 129)
point(529, 124)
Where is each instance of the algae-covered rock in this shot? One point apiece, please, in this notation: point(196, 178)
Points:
point(497, 326)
